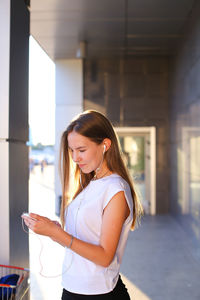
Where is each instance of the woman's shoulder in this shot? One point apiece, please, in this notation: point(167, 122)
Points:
point(113, 184)
point(115, 179)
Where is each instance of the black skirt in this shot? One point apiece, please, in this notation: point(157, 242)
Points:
point(119, 292)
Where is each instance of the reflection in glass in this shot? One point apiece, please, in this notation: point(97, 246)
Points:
point(190, 205)
point(133, 149)
point(194, 199)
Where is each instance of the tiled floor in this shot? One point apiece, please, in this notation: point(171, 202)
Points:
point(159, 261)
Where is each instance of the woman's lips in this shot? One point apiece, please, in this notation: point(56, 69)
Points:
point(81, 165)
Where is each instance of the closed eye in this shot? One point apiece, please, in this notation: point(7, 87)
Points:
point(80, 150)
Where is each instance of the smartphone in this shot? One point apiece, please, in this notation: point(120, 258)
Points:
point(27, 215)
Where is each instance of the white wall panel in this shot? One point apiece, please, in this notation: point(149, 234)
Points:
point(4, 66)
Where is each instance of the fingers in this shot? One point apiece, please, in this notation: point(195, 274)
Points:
point(29, 221)
point(39, 224)
point(36, 217)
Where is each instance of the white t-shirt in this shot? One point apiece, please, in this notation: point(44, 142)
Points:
point(84, 221)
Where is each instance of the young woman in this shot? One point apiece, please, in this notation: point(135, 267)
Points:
point(99, 207)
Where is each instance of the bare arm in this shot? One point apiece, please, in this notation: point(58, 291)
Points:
point(114, 216)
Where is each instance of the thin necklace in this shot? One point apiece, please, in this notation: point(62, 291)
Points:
point(95, 176)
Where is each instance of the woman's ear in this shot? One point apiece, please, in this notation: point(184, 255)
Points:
point(106, 143)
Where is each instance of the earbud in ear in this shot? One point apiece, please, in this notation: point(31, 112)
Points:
point(104, 148)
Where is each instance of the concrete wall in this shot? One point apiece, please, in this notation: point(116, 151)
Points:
point(134, 92)
point(69, 103)
point(14, 29)
point(184, 95)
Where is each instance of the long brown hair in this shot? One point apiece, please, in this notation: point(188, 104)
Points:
point(96, 127)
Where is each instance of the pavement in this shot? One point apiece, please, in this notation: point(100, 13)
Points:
point(161, 261)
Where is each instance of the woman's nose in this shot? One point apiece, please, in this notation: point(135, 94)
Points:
point(76, 157)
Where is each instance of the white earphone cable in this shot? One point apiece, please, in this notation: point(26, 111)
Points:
point(40, 254)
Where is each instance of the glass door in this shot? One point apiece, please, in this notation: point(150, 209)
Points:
point(137, 152)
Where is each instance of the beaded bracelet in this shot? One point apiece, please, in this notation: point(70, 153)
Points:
point(70, 242)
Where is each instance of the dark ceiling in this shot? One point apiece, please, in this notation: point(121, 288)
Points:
point(109, 27)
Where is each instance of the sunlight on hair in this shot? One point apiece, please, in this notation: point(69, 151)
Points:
point(73, 184)
point(134, 291)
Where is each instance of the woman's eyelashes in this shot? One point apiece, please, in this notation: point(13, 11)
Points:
point(79, 150)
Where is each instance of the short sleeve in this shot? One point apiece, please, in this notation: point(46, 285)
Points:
point(112, 189)
point(115, 186)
